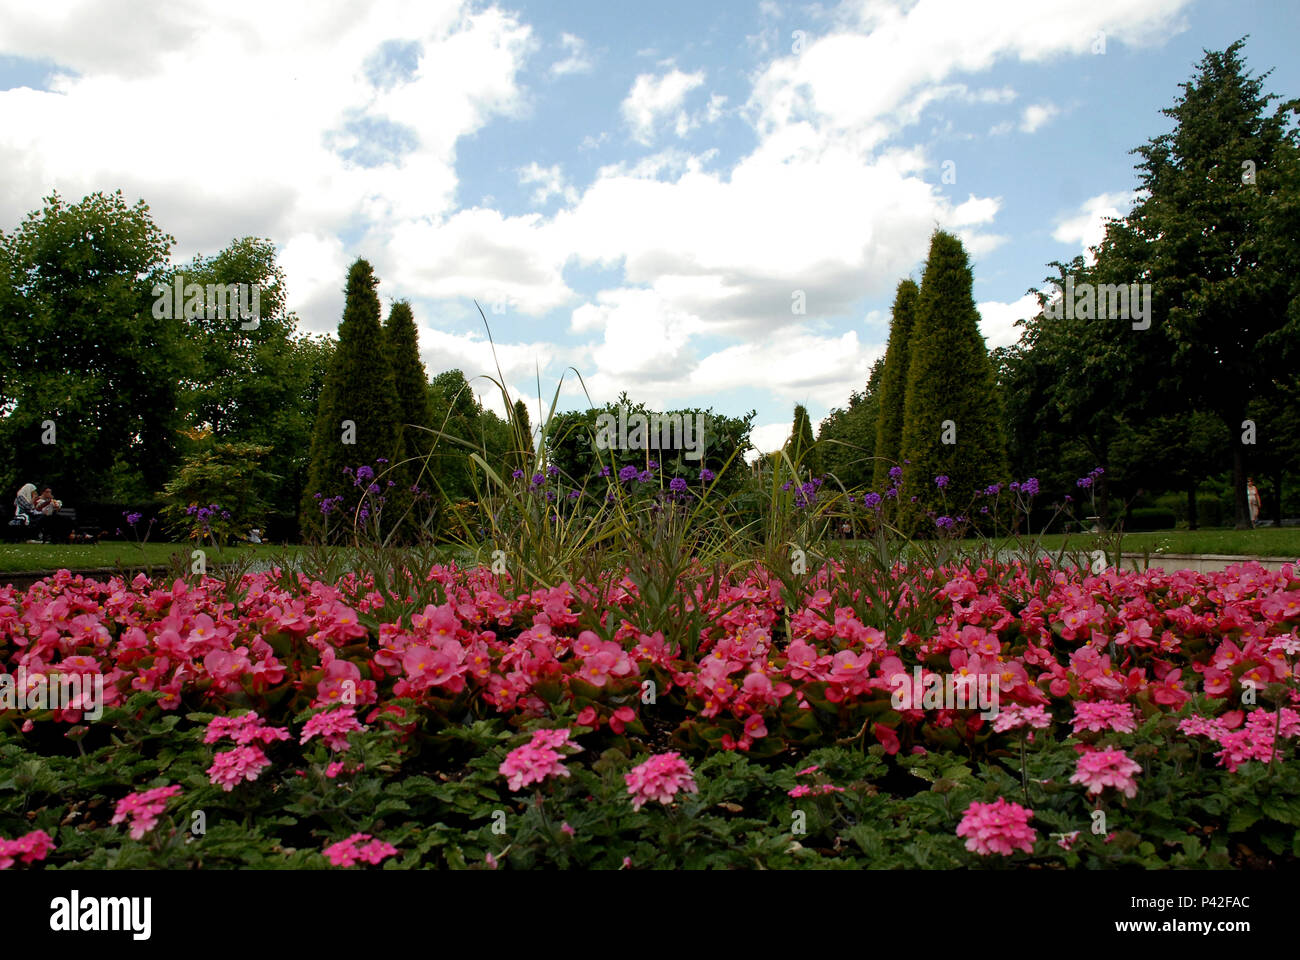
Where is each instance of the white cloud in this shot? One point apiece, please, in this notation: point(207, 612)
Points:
point(998, 320)
point(859, 77)
point(550, 182)
point(313, 265)
point(767, 438)
point(1036, 115)
point(1087, 227)
point(653, 99)
point(576, 61)
point(319, 147)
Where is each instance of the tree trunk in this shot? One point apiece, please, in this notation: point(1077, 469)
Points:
point(1191, 507)
point(1275, 508)
point(1240, 506)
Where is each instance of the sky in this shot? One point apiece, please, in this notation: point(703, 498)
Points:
point(699, 203)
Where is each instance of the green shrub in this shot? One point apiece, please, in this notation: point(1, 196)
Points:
point(1151, 518)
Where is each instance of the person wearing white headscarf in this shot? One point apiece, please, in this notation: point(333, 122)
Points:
point(25, 507)
point(24, 503)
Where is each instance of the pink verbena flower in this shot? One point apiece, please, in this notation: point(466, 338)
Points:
point(1067, 840)
point(1099, 769)
point(529, 764)
point(538, 759)
point(1014, 716)
point(232, 766)
point(813, 790)
point(219, 727)
point(1196, 726)
point(143, 808)
point(1262, 719)
point(1287, 643)
point(659, 778)
point(347, 852)
point(244, 729)
point(1101, 715)
point(553, 739)
point(1242, 745)
point(998, 827)
point(333, 726)
point(28, 848)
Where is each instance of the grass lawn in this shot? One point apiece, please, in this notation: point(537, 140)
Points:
point(1265, 542)
point(26, 557)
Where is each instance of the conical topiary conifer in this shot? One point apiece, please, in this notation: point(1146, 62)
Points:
point(952, 424)
point(411, 388)
point(893, 383)
point(802, 449)
point(523, 435)
point(357, 417)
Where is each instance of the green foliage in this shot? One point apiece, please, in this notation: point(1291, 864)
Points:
point(1214, 233)
point(847, 437)
point(255, 382)
point(893, 383)
point(80, 347)
point(459, 426)
point(229, 475)
point(359, 391)
point(570, 443)
point(950, 378)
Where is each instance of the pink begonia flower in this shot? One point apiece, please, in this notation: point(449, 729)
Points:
point(566, 829)
point(807, 770)
point(659, 778)
point(490, 860)
point(28, 848)
point(143, 808)
point(998, 827)
point(347, 852)
point(333, 726)
point(1100, 715)
point(1099, 769)
point(231, 766)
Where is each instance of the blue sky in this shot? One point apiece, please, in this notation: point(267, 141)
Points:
point(638, 191)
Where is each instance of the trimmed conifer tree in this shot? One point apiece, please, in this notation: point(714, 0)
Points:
point(523, 429)
point(893, 383)
point(410, 383)
point(411, 388)
point(803, 450)
point(952, 424)
point(357, 417)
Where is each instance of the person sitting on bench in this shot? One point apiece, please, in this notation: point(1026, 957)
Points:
point(27, 514)
point(46, 503)
point(57, 525)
